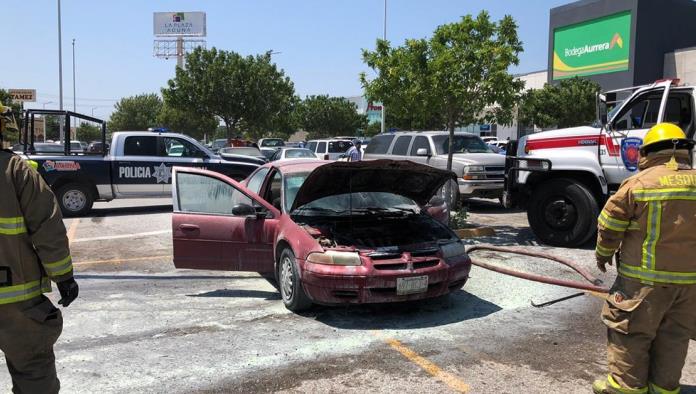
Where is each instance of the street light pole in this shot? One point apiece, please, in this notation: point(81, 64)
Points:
point(46, 103)
point(60, 72)
point(93, 108)
point(384, 37)
point(74, 106)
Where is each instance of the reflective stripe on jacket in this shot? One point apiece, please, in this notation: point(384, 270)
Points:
point(33, 242)
point(652, 221)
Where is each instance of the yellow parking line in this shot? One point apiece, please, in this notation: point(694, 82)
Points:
point(72, 230)
point(118, 261)
point(428, 366)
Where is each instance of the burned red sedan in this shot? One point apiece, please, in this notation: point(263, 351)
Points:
point(328, 233)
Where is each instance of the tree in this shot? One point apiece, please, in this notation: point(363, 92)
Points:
point(136, 112)
point(457, 77)
point(324, 116)
point(372, 129)
point(572, 102)
point(190, 123)
point(245, 92)
point(88, 132)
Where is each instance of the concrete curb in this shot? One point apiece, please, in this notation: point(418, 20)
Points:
point(475, 232)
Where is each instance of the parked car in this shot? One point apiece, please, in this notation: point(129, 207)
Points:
point(268, 152)
point(488, 139)
point(271, 142)
point(245, 154)
point(292, 145)
point(330, 148)
point(480, 171)
point(97, 147)
point(218, 144)
point(329, 233)
point(499, 147)
point(293, 153)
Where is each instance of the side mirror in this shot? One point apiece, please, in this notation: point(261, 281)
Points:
point(243, 210)
point(436, 201)
point(422, 152)
point(602, 109)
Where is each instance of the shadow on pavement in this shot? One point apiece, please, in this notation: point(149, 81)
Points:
point(128, 211)
point(160, 277)
point(460, 306)
point(491, 207)
point(267, 295)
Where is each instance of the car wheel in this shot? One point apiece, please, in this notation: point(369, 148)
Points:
point(563, 212)
point(74, 199)
point(290, 282)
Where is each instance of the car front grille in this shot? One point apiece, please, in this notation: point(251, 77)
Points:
point(495, 172)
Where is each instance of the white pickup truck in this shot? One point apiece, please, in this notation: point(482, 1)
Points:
point(137, 165)
point(563, 177)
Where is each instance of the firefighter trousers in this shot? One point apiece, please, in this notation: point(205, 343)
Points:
point(28, 331)
point(649, 328)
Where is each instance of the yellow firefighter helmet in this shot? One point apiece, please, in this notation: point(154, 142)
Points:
point(665, 136)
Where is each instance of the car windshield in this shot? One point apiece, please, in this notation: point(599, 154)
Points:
point(298, 153)
point(363, 203)
point(272, 142)
point(242, 151)
point(462, 144)
point(48, 148)
point(613, 110)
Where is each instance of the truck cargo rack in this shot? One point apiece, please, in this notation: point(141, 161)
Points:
point(29, 130)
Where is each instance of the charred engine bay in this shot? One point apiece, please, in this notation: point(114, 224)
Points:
point(374, 231)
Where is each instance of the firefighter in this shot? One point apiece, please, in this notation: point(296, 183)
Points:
point(651, 308)
point(34, 251)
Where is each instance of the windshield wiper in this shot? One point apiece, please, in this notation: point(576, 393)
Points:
point(319, 209)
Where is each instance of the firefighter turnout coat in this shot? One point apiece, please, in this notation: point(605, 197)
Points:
point(33, 243)
point(650, 220)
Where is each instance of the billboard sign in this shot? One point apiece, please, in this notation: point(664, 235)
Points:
point(597, 46)
point(179, 24)
point(23, 95)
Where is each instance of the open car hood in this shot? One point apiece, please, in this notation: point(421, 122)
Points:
point(405, 178)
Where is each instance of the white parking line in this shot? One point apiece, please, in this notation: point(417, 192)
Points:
point(135, 235)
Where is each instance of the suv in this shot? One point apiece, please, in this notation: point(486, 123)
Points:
point(480, 172)
point(329, 149)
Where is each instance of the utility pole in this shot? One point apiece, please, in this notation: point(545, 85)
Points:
point(60, 73)
point(74, 97)
point(384, 37)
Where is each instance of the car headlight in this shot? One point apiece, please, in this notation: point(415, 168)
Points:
point(333, 257)
point(453, 249)
point(469, 169)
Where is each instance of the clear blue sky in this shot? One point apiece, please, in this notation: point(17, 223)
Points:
point(320, 40)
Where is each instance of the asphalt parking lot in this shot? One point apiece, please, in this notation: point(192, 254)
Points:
point(142, 326)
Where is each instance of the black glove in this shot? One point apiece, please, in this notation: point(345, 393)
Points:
point(68, 292)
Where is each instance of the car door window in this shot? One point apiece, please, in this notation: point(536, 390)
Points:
point(207, 195)
point(380, 144)
point(642, 113)
point(339, 146)
point(401, 145)
point(321, 147)
point(312, 145)
point(140, 146)
point(178, 147)
point(420, 142)
point(256, 180)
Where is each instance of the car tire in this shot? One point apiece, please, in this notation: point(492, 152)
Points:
point(563, 212)
point(291, 290)
point(74, 199)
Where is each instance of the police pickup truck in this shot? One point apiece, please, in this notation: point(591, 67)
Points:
point(138, 164)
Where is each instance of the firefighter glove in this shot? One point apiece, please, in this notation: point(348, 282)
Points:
point(603, 261)
point(68, 292)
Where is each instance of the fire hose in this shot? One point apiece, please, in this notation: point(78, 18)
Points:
point(594, 285)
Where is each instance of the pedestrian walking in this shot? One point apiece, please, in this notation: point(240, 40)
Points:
point(354, 153)
point(651, 309)
point(34, 251)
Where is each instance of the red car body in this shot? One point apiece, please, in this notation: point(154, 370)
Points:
point(395, 257)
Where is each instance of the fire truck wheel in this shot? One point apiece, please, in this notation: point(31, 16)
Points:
point(563, 212)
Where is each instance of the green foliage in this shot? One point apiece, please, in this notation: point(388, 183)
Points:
point(88, 132)
point(324, 116)
point(569, 103)
point(457, 77)
point(372, 129)
point(248, 93)
point(190, 123)
point(136, 112)
point(458, 218)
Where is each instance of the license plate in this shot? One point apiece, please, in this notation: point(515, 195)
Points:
point(412, 285)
